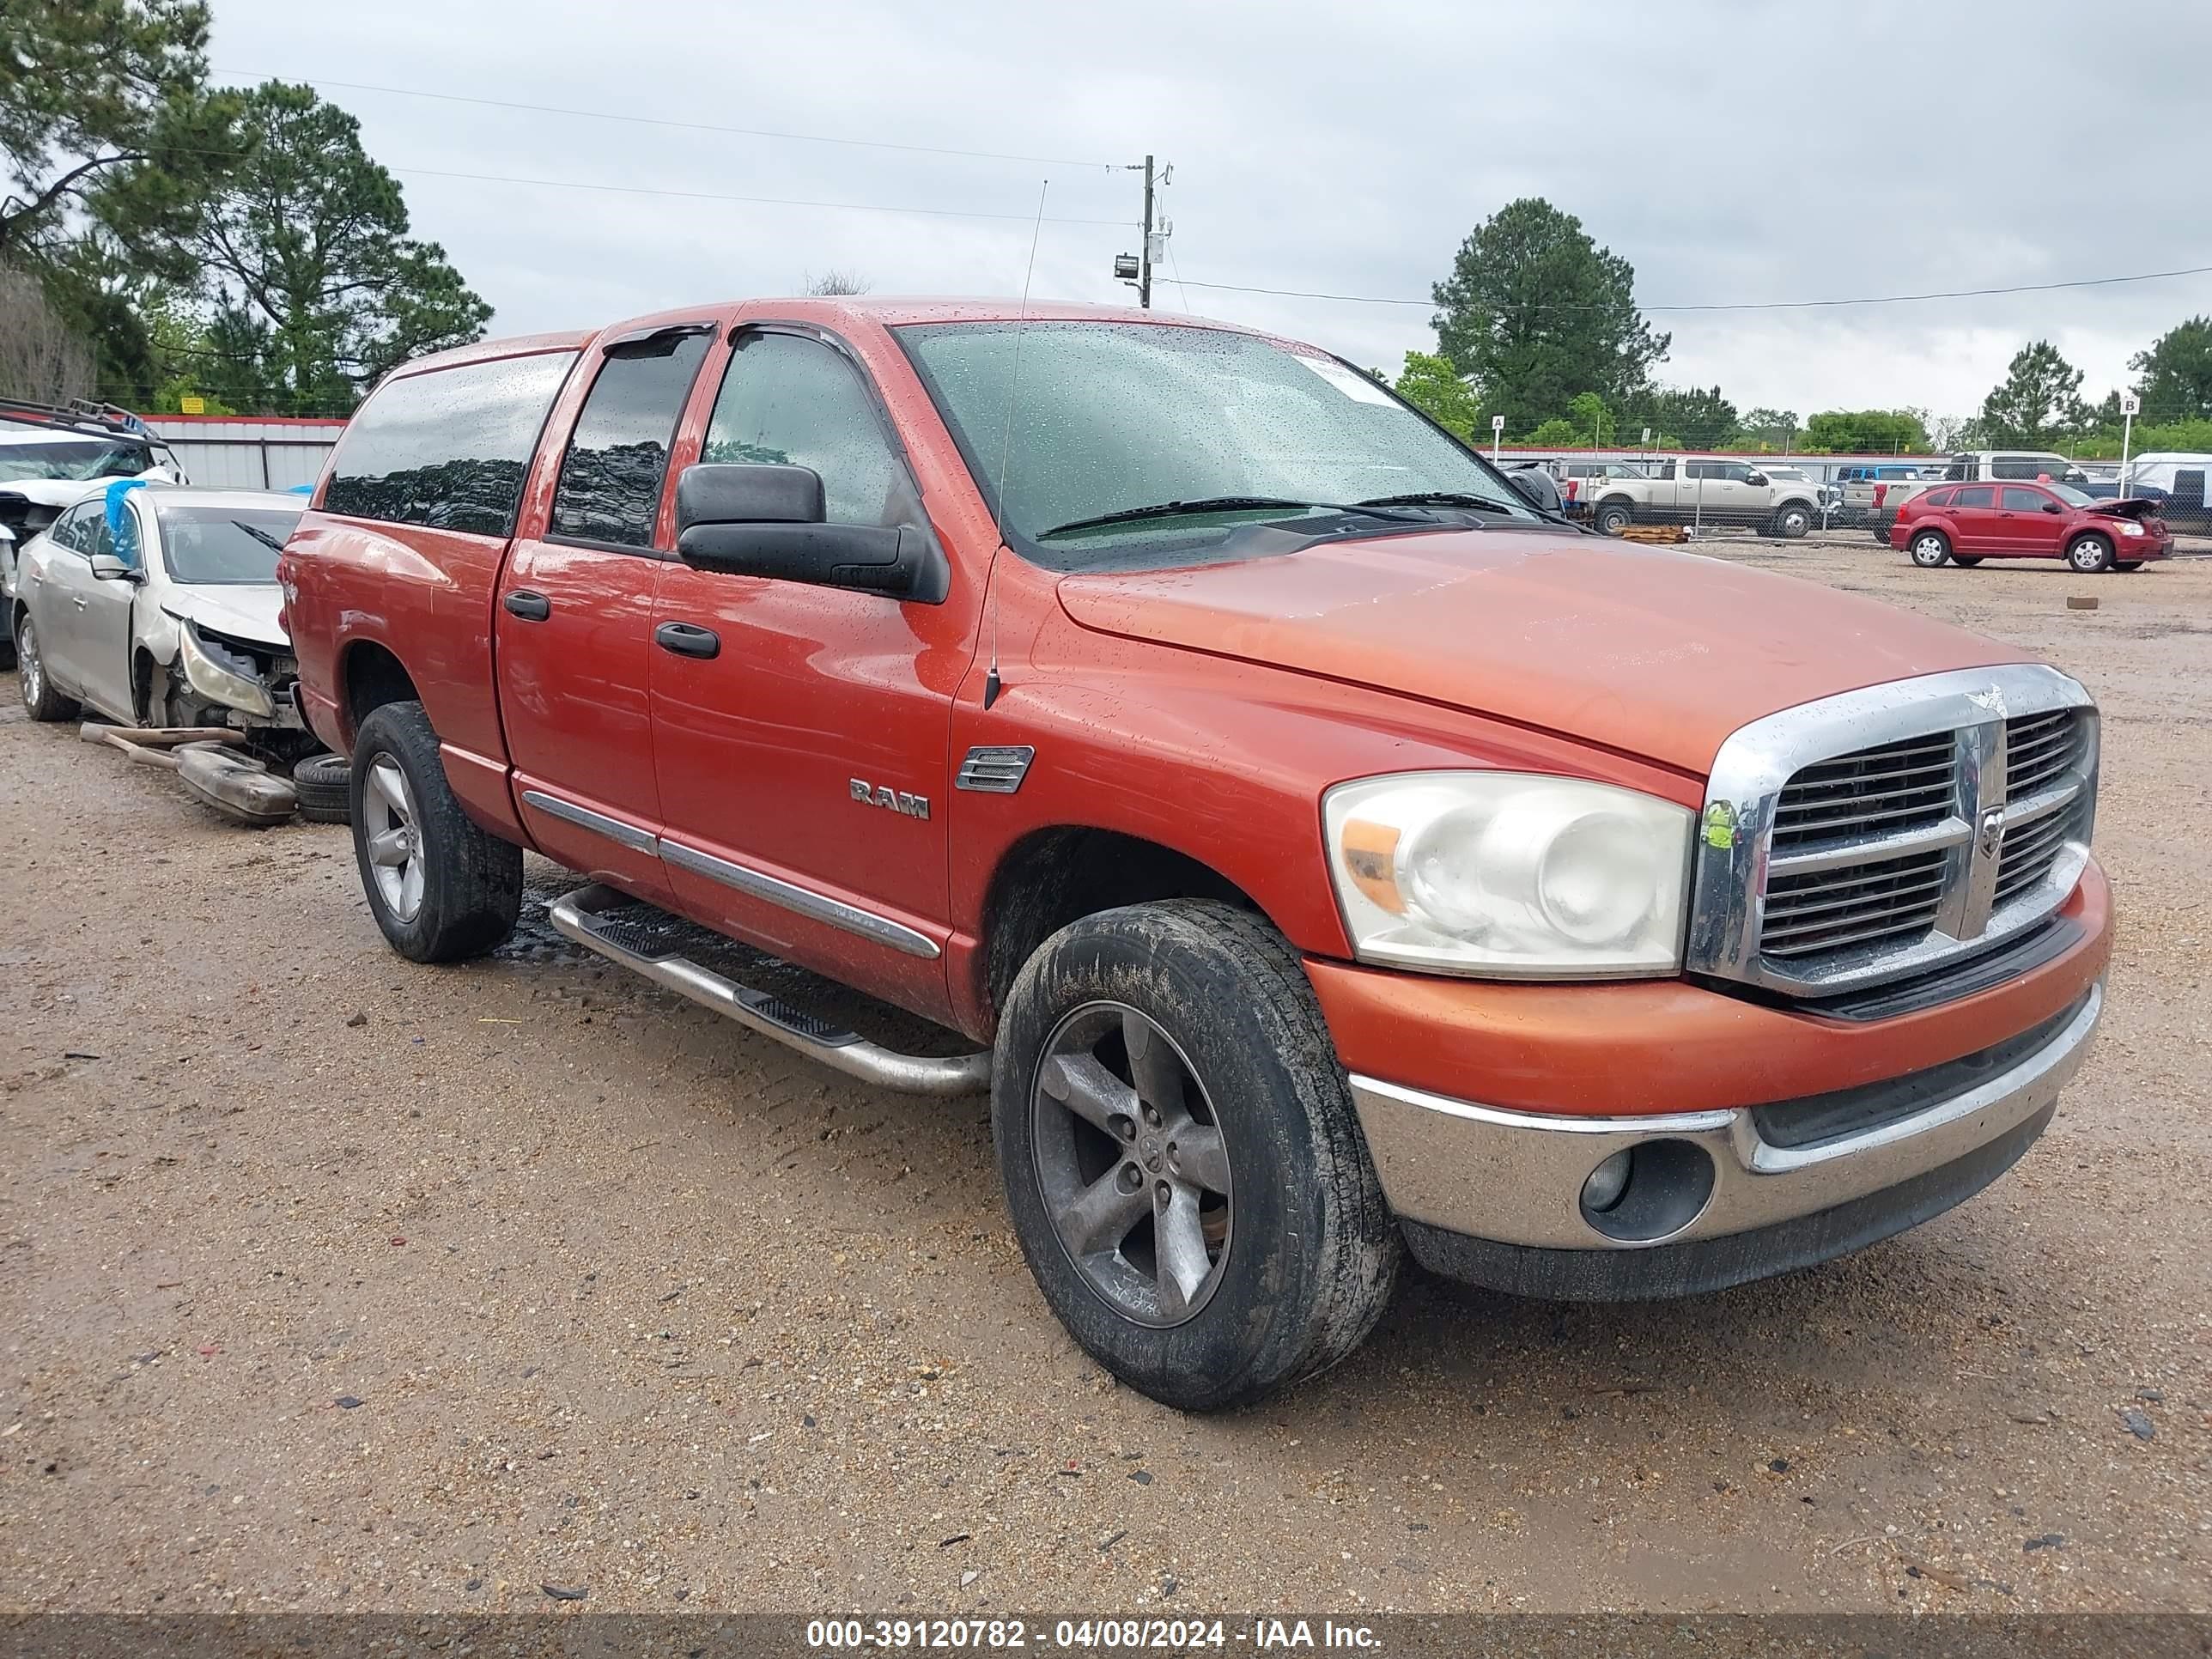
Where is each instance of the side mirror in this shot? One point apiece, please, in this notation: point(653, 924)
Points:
point(2052, 507)
point(753, 520)
point(107, 567)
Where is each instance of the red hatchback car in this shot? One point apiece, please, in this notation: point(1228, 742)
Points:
point(1966, 523)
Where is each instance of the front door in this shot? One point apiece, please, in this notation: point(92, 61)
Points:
point(2024, 528)
point(87, 643)
point(574, 622)
point(800, 731)
point(1974, 514)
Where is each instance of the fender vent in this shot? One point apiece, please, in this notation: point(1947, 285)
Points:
point(995, 771)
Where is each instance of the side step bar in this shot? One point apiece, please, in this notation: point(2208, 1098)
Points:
point(583, 917)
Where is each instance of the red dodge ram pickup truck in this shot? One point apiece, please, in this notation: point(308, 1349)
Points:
point(1324, 853)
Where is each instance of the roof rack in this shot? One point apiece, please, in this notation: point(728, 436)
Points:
point(78, 415)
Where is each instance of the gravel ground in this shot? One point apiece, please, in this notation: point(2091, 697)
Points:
point(333, 1282)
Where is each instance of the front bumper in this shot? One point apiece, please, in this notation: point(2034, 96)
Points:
point(1716, 1197)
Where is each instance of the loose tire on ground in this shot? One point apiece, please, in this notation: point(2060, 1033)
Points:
point(2089, 554)
point(1300, 1253)
point(40, 699)
point(325, 783)
point(1930, 548)
point(439, 887)
point(1612, 519)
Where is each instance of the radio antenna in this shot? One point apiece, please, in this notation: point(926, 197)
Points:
point(992, 683)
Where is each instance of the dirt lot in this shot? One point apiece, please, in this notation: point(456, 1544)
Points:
point(336, 1282)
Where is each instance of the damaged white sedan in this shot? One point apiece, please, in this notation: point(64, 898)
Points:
point(159, 606)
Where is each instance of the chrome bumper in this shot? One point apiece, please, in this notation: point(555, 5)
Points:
point(1517, 1179)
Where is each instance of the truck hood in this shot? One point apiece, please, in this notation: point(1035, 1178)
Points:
point(242, 610)
point(1643, 650)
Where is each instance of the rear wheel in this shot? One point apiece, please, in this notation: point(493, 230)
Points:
point(40, 698)
point(2089, 554)
point(1961, 559)
point(2128, 565)
point(1182, 1157)
point(441, 888)
point(1930, 550)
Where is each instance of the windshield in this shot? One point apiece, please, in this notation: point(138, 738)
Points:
point(1110, 418)
point(223, 544)
point(2070, 495)
point(72, 458)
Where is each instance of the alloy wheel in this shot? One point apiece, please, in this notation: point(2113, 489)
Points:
point(390, 831)
point(1132, 1164)
point(1928, 551)
point(33, 671)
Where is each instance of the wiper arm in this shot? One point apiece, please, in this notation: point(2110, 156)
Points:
point(1439, 498)
point(1220, 504)
point(259, 535)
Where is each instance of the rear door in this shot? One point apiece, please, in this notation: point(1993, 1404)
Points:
point(2026, 526)
point(574, 620)
point(1974, 520)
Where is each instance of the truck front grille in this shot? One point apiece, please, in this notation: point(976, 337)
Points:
point(1828, 864)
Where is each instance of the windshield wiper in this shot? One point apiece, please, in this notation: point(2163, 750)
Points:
point(1437, 498)
point(259, 535)
point(1222, 504)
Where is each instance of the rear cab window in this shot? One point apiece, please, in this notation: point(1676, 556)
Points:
point(447, 449)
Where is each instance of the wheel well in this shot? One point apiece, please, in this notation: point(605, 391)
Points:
point(141, 684)
point(1054, 876)
point(373, 676)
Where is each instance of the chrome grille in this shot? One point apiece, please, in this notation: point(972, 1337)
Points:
point(1899, 786)
point(1851, 903)
point(1883, 832)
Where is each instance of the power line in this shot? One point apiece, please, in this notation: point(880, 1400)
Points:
point(767, 201)
point(697, 126)
point(1756, 305)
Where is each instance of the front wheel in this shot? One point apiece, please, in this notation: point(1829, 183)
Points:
point(1793, 521)
point(40, 699)
point(1611, 520)
point(2089, 554)
point(2128, 567)
point(441, 888)
point(1182, 1157)
point(1930, 550)
point(1968, 563)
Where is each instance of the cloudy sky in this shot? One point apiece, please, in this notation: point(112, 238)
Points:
point(1731, 150)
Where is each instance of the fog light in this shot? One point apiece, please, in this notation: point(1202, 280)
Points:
point(1607, 1183)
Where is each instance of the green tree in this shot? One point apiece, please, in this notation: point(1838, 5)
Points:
point(1557, 434)
point(1534, 312)
point(2177, 372)
point(1772, 428)
point(308, 242)
point(1431, 384)
point(1587, 411)
point(1868, 432)
point(2038, 401)
point(1679, 417)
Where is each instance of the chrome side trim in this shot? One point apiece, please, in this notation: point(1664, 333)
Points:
point(1728, 886)
point(1516, 1177)
point(615, 830)
point(960, 1074)
point(801, 901)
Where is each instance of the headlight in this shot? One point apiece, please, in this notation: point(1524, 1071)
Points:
point(2130, 527)
point(1510, 875)
point(221, 674)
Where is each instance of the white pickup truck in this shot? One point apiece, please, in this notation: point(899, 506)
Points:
point(1707, 491)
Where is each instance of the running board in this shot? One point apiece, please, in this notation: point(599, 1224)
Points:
point(590, 917)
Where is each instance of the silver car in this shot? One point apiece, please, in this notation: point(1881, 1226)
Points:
point(159, 606)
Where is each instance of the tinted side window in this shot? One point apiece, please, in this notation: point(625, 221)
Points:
point(2014, 499)
point(1982, 496)
point(448, 449)
point(617, 458)
point(67, 532)
point(1939, 497)
point(786, 400)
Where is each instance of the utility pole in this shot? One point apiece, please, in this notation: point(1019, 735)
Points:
point(1136, 269)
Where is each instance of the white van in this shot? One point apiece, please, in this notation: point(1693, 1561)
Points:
point(2176, 472)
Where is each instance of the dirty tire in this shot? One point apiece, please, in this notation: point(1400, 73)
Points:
point(1930, 548)
point(1612, 519)
point(1793, 521)
point(40, 699)
point(325, 784)
point(1313, 1253)
point(471, 882)
point(2089, 554)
